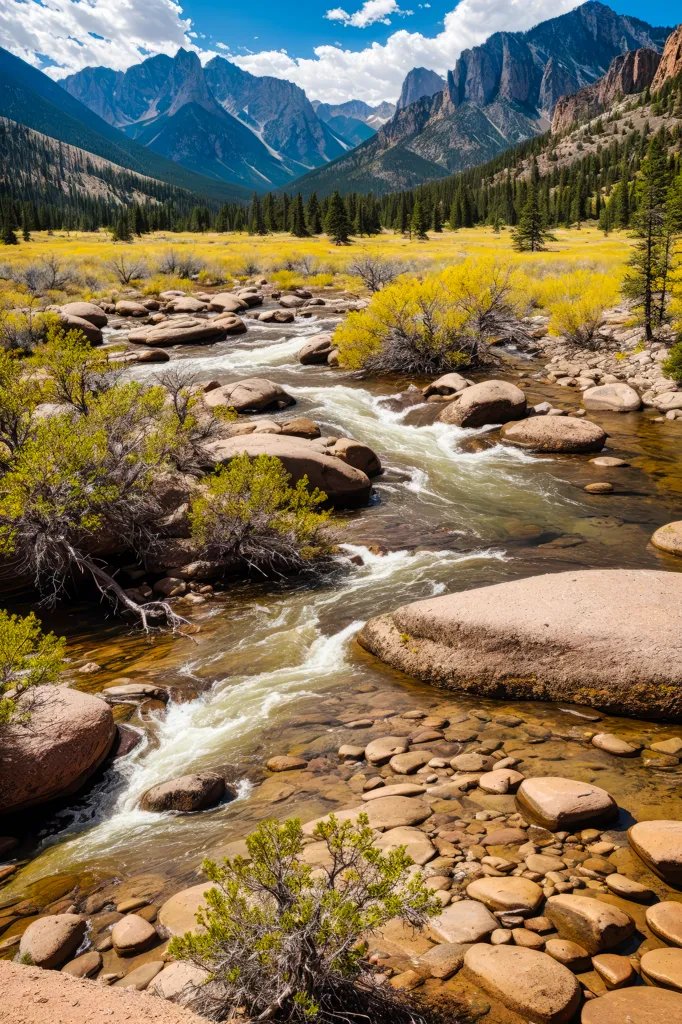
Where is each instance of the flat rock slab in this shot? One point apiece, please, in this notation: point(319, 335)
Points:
point(558, 803)
point(466, 921)
point(554, 637)
point(659, 844)
point(393, 811)
point(594, 925)
point(669, 538)
point(179, 914)
point(510, 894)
point(560, 434)
point(418, 845)
point(663, 968)
point(526, 981)
point(443, 960)
point(665, 920)
point(625, 1006)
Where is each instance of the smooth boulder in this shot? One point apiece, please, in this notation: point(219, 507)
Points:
point(594, 925)
point(358, 455)
point(194, 792)
point(226, 302)
point(448, 384)
point(178, 332)
point(51, 941)
point(659, 844)
point(465, 921)
point(559, 636)
point(558, 803)
point(629, 1005)
point(665, 920)
point(70, 322)
point(344, 485)
point(255, 394)
point(668, 538)
point(558, 434)
point(526, 981)
point(316, 351)
point(86, 311)
point(492, 401)
point(612, 398)
point(54, 752)
point(179, 913)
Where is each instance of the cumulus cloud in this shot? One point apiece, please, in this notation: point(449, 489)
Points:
point(370, 12)
point(117, 33)
point(73, 35)
point(376, 72)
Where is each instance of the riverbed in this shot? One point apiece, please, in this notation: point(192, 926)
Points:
point(275, 667)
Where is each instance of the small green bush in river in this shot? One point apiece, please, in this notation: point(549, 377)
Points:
point(249, 511)
point(672, 367)
point(284, 941)
point(28, 657)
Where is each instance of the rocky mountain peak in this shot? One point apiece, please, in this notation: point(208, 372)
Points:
point(186, 83)
point(671, 61)
point(630, 73)
point(419, 82)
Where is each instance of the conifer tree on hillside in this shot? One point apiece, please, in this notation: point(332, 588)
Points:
point(298, 224)
point(437, 223)
point(651, 259)
point(418, 221)
point(404, 220)
point(336, 222)
point(313, 215)
point(222, 221)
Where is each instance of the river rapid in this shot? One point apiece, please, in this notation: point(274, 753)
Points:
point(276, 667)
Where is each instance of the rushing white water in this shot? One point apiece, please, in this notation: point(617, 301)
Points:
point(261, 655)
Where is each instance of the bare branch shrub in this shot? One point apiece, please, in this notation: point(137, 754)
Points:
point(127, 268)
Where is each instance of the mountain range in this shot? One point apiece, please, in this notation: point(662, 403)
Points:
point(260, 132)
point(498, 94)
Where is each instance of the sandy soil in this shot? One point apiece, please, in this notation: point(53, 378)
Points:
point(30, 995)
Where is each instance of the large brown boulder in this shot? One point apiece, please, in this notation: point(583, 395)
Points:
point(186, 304)
point(316, 350)
point(612, 398)
point(86, 311)
point(561, 434)
point(188, 793)
point(669, 538)
point(448, 384)
point(344, 485)
point(492, 401)
point(54, 752)
point(626, 1005)
point(129, 307)
point(357, 454)
point(226, 302)
point(254, 394)
point(190, 331)
point(51, 941)
point(69, 322)
point(526, 981)
point(659, 844)
point(554, 637)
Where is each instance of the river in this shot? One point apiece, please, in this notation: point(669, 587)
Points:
point(276, 664)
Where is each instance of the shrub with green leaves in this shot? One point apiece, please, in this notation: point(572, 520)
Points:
point(285, 940)
point(249, 512)
point(672, 367)
point(28, 657)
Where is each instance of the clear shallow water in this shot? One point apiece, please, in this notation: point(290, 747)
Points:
point(451, 518)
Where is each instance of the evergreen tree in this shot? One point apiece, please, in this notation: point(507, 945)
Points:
point(336, 222)
point(256, 222)
point(436, 221)
point(25, 226)
point(651, 259)
point(7, 235)
point(418, 221)
point(360, 226)
point(298, 225)
point(222, 221)
point(120, 231)
point(313, 215)
point(404, 220)
point(529, 235)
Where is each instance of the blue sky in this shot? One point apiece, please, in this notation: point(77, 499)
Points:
point(334, 49)
point(272, 27)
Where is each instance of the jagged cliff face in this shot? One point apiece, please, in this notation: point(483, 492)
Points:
point(497, 95)
point(628, 74)
point(260, 132)
point(671, 61)
point(419, 82)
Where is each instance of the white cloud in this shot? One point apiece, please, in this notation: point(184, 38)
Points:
point(370, 12)
point(70, 33)
point(114, 33)
point(376, 72)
